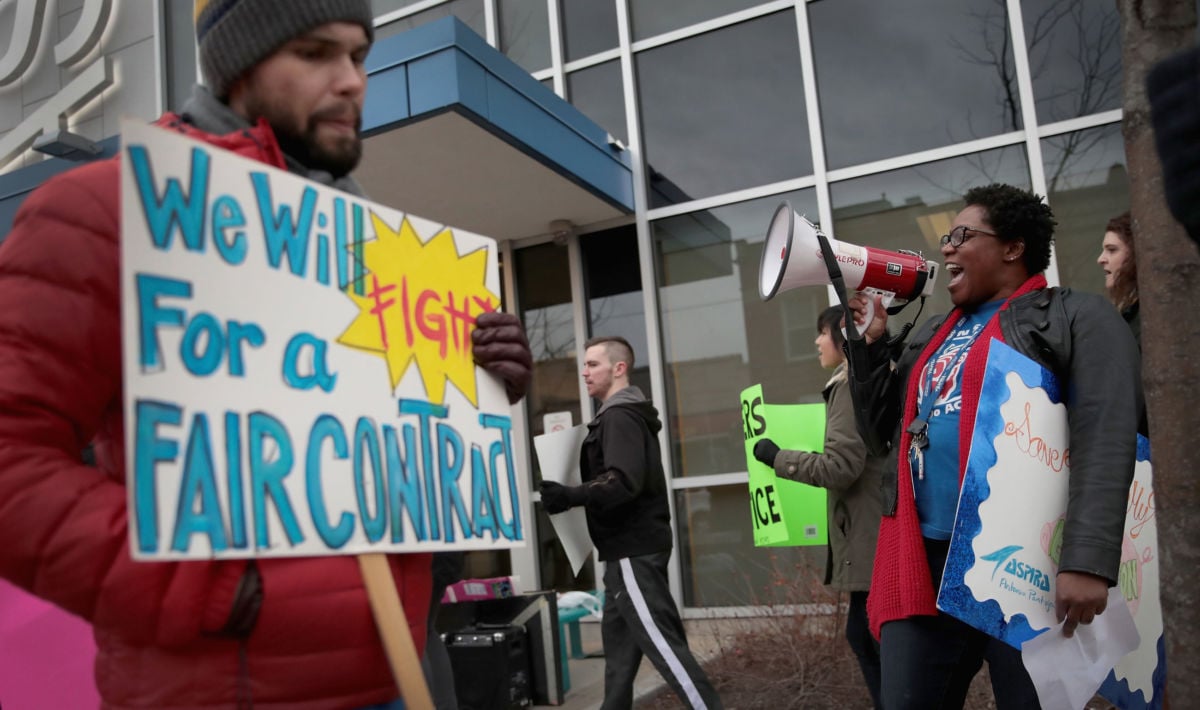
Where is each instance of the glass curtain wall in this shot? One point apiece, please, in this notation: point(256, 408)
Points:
point(544, 294)
point(870, 118)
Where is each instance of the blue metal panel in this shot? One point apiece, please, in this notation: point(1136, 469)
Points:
point(387, 99)
point(446, 79)
point(446, 66)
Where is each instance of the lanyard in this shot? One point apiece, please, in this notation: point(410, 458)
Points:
point(919, 427)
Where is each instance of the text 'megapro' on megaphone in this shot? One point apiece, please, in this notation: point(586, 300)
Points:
point(792, 258)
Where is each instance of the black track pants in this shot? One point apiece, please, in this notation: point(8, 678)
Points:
point(640, 618)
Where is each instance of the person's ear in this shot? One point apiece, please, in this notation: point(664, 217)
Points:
point(1014, 250)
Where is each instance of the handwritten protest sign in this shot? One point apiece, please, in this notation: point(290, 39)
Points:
point(783, 512)
point(1007, 539)
point(1139, 680)
point(298, 369)
point(999, 573)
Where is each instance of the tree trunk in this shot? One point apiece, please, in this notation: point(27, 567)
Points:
point(1168, 284)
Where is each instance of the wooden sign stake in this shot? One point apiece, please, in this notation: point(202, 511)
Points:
point(393, 629)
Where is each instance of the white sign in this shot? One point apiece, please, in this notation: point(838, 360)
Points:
point(558, 455)
point(1007, 542)
point(1139, 680)
point(1015, 565)
point(298, 367)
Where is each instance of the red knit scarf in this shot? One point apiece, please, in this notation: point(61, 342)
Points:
point(901, 584)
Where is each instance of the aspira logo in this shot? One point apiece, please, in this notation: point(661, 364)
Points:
point(1013, 567)
point(25, 50)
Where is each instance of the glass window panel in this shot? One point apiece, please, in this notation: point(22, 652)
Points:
point(1074, 56)
point(915, 75)
point(544, 294)
point(525, 32)
point(469, 11)
point(718, 336)
point(1086, 185)
point(589, 26)
point(614, 287)
point(719, 564)
point(799, 331)
point(724, 111)
point(654, 17)
point(597, 92)
point(381, 7)
point(913, 207)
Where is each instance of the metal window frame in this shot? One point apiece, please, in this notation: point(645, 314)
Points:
point(1029, 137)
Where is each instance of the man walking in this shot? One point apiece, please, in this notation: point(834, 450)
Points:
point(625, 493)
point(285, 86)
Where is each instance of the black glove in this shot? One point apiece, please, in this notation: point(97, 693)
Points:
point(500, 348)
point(766, 451)
point(557, 498)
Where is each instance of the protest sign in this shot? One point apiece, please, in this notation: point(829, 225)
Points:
point(999, 575)
point(1140, 679)
point(299, 377)
point(783, 512)
point(558, 455)
point(298, 369)
point(1007, 539)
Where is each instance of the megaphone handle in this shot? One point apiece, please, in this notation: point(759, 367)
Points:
point(885, 301)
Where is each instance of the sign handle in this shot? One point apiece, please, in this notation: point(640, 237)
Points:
point(393, 629)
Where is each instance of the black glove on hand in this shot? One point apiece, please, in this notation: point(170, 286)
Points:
point(766, 451)
point(557, 498)
point(500, 348)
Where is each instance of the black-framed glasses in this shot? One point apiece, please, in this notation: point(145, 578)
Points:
point(958, 235)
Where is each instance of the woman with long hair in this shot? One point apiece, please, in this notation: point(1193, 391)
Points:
point(1119, 262)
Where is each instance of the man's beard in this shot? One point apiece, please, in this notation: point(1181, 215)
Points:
point(304, 145)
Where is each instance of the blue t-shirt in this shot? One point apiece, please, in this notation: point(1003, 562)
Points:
point(937, 490)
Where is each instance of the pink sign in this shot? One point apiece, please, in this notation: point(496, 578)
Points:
point(46, 655)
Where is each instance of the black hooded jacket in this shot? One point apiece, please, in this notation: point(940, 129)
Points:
point(621, 465)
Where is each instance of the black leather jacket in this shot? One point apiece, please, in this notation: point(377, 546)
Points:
point(1083, 340)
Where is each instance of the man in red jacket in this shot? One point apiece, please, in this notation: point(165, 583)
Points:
point(286, 84)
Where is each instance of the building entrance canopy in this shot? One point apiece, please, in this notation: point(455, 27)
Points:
point(458, 133)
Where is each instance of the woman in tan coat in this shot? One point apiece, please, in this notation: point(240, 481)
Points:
point(852, 480)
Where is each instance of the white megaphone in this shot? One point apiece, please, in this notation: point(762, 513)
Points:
point(792, 258)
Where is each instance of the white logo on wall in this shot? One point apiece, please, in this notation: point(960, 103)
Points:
point(23, 53)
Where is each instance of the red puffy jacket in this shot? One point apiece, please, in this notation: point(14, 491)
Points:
point(63, 524)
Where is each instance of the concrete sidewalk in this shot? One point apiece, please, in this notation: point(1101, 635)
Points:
point(587, 674)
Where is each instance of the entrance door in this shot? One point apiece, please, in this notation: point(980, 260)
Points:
point(543, 286)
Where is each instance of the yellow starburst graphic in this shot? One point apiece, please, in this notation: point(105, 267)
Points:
point(419, 305)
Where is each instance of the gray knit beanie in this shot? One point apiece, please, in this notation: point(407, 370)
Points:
point(234, 35)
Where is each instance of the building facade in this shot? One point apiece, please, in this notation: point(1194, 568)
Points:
point(870, 118)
